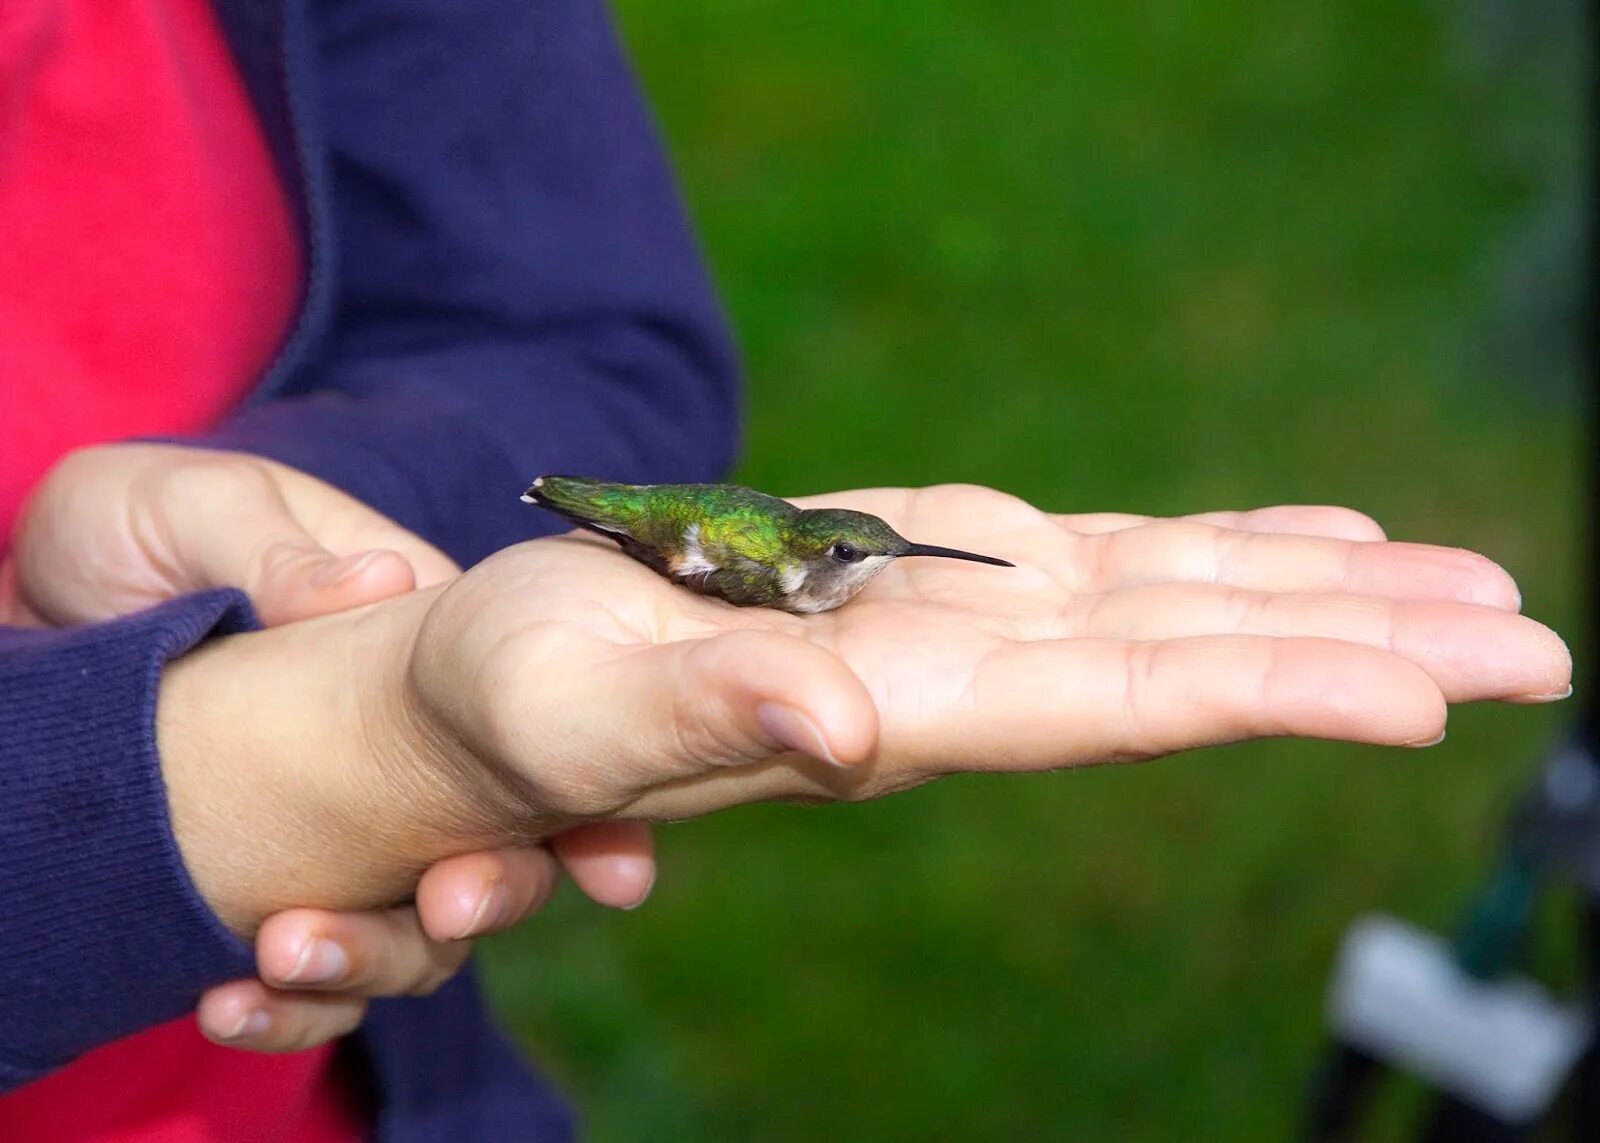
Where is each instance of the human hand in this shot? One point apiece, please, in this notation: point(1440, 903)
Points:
point(559, 682)
point(114, 529)
point(1114, 639)
point(118, 528)
point(411, 950)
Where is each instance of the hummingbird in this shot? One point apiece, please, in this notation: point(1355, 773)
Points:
point(737, 544)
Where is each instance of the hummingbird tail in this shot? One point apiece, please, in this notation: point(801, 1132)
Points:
point(565, 494)
point(598, 504)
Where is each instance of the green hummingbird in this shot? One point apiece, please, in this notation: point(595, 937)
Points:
point(737, 544)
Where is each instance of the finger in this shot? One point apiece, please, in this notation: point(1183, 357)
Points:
point(299, 547)
point(690, 706)
point(1471, 652)
point(479, 893)
point(379, 953)
point(1054, 704)
point(346, 525)
point(612, 862)
point(1292, 519)
point(285, 571)
point(1060, 702)
point(224, 522)
point(247, 1014)
point(297, 578)
point(1184, 552)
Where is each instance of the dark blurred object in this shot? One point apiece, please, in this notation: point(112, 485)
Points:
point(1455, 1015)
point(1537, 329)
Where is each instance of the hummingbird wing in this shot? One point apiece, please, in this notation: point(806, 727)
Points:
point(740, 550)
point(745, 584)
point(717, 539)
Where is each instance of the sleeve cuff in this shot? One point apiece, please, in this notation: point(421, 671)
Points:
point(104, 932)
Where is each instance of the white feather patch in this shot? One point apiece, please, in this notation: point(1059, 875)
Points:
point(693, 560)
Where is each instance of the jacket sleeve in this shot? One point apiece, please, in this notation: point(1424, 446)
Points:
point(102, 932)
point(518, 290)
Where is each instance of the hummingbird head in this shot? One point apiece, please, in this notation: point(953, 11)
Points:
point(840, 551)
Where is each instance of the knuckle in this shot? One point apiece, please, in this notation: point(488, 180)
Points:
point(1141, 668)
point(205, 478)
point(1240, 608)
point(280, 563)
point(1347, 522)
point(957, 490)
point(88, 459)
point(1487, 581)
point(71, 468)
point(989, 504)
point(433, 966)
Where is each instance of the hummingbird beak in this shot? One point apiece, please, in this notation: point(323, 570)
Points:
point(955, 554)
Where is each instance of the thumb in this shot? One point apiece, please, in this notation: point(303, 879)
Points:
point(243, 533)
point(116, 528)
point(709, 708)
point(297, 578)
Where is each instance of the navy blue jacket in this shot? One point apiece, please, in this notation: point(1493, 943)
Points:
point(500, 282)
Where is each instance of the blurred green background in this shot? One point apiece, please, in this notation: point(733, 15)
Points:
point(1161, 257)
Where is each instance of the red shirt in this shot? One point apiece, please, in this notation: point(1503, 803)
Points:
point(149, 269)
point(148, 260)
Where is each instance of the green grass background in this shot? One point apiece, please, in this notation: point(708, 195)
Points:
point(1160, 257)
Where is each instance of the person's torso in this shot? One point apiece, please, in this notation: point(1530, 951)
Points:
point(149, 269)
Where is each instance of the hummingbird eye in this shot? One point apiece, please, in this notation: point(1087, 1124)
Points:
point(847, 554)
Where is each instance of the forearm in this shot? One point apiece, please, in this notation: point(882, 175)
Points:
point(173, 778)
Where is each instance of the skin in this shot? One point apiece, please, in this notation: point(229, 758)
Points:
point(468, 726)
point(115, 529)
point(559, 684)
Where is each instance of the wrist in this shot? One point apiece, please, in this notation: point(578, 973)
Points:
point(291, 776)
point(454, 798)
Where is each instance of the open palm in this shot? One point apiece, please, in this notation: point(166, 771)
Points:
point(606, 691)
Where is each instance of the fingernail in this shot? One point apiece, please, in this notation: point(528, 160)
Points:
point(490, 911)
point(332, 574)
point(251, 1022)
point(794, 731)
point(1549, 696)
point(1429, 742)
point(321, 962)
point(643, 897)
